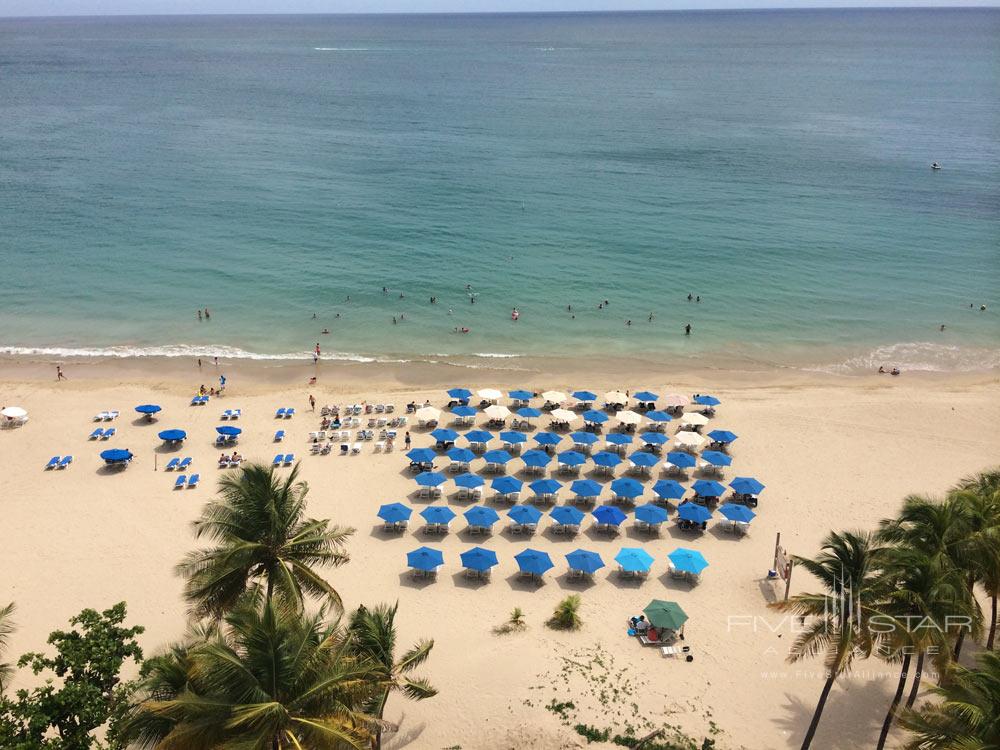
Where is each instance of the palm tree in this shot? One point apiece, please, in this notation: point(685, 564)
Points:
point(373, 637)
point(979, 495)
point(6, 628)
point(968, 716)
point(840, 627)
point(261, 531)
point(271, 678)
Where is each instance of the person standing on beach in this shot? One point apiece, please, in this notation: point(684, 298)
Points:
point(59, 374)
point(312, 402)
point(687, 330)
point(199, 363)
point(216, 361)
point(407, 441)
point(317, 349)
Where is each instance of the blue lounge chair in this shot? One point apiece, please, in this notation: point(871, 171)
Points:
point(235, 413)
point(172, 464)
point(180, 482)
point(67, 460)
point(226, 414)
point(108, 433)
point(278, 459)
point(97, 434)
point(279, 436)
point(196, 401)
point(280, 414)
point(53, 462)
point(289, 412)
point(184, 464)
point(193, 481)
point(220, 440)
point(289, 457)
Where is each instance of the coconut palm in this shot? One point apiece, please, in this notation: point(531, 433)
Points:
point(841, 615)
point(272, 678)
point(263, 537)
point(968, 715)
point(979, 496)
point(6, 628)
point(373, 637)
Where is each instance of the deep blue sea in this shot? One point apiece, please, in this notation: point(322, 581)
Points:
point(774, 163)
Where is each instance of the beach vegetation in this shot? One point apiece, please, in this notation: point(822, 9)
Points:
point(514, 623)
point(566, 615)
point(6, 630)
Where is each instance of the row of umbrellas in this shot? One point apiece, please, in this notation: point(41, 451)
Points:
point(536, 562)
point(444, 435)
point(616, 398)
point(539, 459)
point(592, 416)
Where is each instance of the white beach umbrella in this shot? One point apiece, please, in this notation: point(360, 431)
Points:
point(497, 411)
point(554, 397)
point(694, 419)
point(428, 414)
point(14, 412)
point(615, 397)
point(629, 417)
point(564, 415)
point(675, 399)
point(686, 439)
point(490, 394)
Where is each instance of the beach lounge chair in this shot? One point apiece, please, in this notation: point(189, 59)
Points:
point(196, 401)
point(314, 449)
point(101, 416)
point(224, 463)
point(172, 464)
point(184, 464)
point(676, 651)
point(108, 433)
point(345, 448)
point(53, 462)
point(279, 436)
point(220, 440)
point(289, 412)
point(278, 459)
point(226, 414)
point(180, 482)
point(379, 446)
point(97, 434)
point(289, 458)
point(66, 461)
point(280, 413)
point(356, 449)
point(193, 481)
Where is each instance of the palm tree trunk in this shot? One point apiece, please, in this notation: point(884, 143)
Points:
point(993, 622)
point(961, 633)
point(807, 740)
point(958, 644)
point(377, 739)
point(891, 714)
point(917, 677)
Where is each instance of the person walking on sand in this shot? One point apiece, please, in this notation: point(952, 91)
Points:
point(199, 363)
point(59, 374)
point(312, 402)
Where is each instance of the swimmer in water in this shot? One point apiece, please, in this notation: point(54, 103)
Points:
point(687, 330)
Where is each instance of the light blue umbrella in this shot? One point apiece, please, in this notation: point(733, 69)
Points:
point(524, 514)
point(425, 558)
point(634, 559)
point(618, 438)
point(609, 514)
point(464, 411)
point(646, 460)
point(460, 455)
point(394, 513)
point(706, 400)
point(460, 393)
point(572, 458)
point(708, 488)
point(228, 430)
point(586, 488)
point(478, 436)
point(585, 396)
point(437, 514)
point(444, 435)
point(506, 485)
point(534, 562)
point(651, 514)
point(513, 437)
point(521, 395)
point(481, 515)
point(172, 436)
point(693, 512)
point(595, 417)
point(567, 515)
point(529, 412)
point(669, 489)
point(548, 438)
point(645, 397)
point(716, 458)
point(739, 513)
point(430, 479)
point(626, 487)
point(117, 455)
point(498, 456)
point(148, 409)
point(681, 460)
point(469, 481)
point(607, 459)
point(653, 438)
point(746, 486)
point(545, 486)
point(583, 438)
point(658, 416)
point(479, 558)
point(419, 455)
point(588, 562)
point(536, 459)
point(688, 560)
point(722, 436)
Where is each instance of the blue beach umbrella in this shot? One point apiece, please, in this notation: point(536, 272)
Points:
point(716, 458)
point(681, 460)
point(506, 485)
point(585, 396)
point(706, 400)
point(478, 436)
point(479, 558)
point(734, 512)
point(708, 488)
point(498, 456)
point(444, 435)
point(595, 417)
point(669, 489)
point(548, 438)
point(529, 412)
point(430, 479)
point(545, 486)
point(746, 486)
point(459, 393)
point(464, 411)
point(459, 455)
point(645, 397)
point(148, 409)
point(524, 514)
point(419, 455)
point(651, 514)
point(618, 438)
point(469, 481)
point(627, 487)
point(634, 559)
point(586, 487)
point(609, 514)
point(581, 559)
point(567, 515)
point(658, 416)
point(572, 458)
point(536, 459)
point(228, 430)
point(521, 395)
point(646, 460)
point(653, 438)
point(534, 562)
point(481, 515)
point(722, 436)
point(583, 438)
point(394, 513)
point(607, 459)
point(513, 437)
point(425, 558)
point(437, 514)
point(693, 512)
point(172, 436)
point(688, 560)
point(116, 455)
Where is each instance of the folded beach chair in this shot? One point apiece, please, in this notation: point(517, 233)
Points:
point(96, 434)
point(280, 413)
point(181, 481)
point(66, 461)
point(53, 462)
point(108, 433)
point(172, 464)
point(278, 459)
point(184, 464)
point(193, 481)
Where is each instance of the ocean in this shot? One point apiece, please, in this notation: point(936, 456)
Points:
point(775, 164)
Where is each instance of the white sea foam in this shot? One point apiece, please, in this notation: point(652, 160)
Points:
point(496, 355)
point(342, 49)
point(921, 356)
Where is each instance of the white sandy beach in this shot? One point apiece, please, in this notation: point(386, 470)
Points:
point(834, 453)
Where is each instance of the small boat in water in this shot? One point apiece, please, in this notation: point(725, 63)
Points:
point(935, 165)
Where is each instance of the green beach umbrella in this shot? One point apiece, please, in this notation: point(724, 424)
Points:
point(663, 614)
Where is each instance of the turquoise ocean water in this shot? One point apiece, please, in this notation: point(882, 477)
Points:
point(775, 163)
